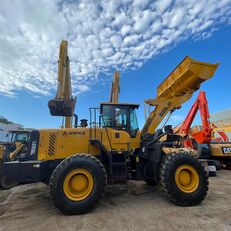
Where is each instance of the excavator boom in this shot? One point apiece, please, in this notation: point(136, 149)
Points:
point(63, 104)
point(176, 89)
point(115, 88)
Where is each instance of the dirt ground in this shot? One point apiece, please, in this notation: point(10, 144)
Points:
point(28, 207)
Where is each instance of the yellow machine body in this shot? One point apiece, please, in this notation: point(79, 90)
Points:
point(61, 143)
point(176, 89)
point(221, 150)
point(1, 151)
point(16, 146)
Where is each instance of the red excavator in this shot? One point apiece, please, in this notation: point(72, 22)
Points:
point(203, 139)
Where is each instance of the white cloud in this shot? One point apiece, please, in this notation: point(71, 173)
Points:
point(143, 21)
point(102, 35)
point(162, 5)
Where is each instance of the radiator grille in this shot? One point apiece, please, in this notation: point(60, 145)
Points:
point(52, 144)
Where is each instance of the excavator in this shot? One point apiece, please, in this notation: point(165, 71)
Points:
point(64, 91)
point(9, 151)
point(78, 163)
point(18, 138)
point(203, 139)
point(220, 129)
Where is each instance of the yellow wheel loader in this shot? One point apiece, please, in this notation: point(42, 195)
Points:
point(9, 151)
point(79, 163)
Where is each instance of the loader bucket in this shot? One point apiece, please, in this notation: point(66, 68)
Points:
point(186, 77)
point(59, 107)
point(177, 89)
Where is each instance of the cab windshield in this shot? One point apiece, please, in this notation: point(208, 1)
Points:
point(120, 117)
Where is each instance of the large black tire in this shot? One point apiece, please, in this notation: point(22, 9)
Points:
point(79, 161)
point(148, 175)
point(169, 168)
point(151, 181)
point(6, 183)
point(218, 165)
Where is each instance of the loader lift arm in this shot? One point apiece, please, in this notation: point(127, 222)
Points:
point(176, 89)
point(64, 103)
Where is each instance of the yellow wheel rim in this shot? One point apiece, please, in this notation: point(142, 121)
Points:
point(187, 178)
point(78, 184)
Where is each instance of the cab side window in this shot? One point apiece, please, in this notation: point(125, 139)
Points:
point(133, 123)
point(106, 116)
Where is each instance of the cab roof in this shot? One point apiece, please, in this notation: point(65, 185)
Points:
point(19, 131)
point(132, 105)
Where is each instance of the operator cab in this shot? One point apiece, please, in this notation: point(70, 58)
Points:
point(120, 116)
point(19, 136)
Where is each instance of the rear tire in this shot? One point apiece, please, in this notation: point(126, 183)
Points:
point(218, 165)
point(184, 179)
point(77, 184)
point(6, 183)
point(151, 182)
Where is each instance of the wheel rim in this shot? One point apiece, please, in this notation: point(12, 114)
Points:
point(78, 184)
point(187, 178)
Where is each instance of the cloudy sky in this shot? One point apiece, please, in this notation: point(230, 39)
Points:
point(103, 36)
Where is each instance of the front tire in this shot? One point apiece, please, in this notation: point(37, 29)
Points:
point(184, 179)
point(77, 184)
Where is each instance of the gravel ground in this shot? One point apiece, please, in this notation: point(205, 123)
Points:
point(28, 207)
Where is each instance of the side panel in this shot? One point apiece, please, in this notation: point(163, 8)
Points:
point(221, 150)
point(61, 143)
point(32, 146)
point(120, 140)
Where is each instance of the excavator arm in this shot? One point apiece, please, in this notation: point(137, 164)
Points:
point(64, 103)
point(206, 134)
point(201, 104)
point(176, 89)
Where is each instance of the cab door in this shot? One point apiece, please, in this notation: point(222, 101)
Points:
point(120, 137)
point(134, 130)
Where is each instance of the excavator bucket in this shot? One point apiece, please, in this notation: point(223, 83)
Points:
point(64, 103)
point(186, 77)
point(60, 107)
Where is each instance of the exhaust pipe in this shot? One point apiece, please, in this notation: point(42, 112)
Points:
point(76, 121)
